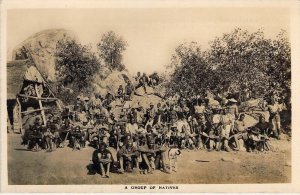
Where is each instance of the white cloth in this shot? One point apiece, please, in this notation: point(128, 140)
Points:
point(131, 128)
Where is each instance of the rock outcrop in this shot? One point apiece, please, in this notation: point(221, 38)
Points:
point(41, 48)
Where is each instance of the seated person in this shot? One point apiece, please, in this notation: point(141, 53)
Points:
point(102, 160)
point(64, 132)
point(264, 127)
point(128, 156)
point(35, 139)
point(78, 138)
point(153, 156)
point(239, 131)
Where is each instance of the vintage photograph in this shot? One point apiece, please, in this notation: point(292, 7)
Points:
point(149, 95)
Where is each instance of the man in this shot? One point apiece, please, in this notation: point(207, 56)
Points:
point(141, 135)
point(78, 104)
point(150, 132)
point(253, 140)
point(264, 127)
point(97, 101)
point(186, 138)
point(38, 124)
point(128, 156)
point(274, 110)
point(215, 131)
point(233, 108)
point(64, 132)
point(152, 155)
point(100, 134)
point(35, 139)
point(239, 131)
point(158, 113)
point(172, 115)
point(143, 81)
point(131, 127)
point(102, 159)
point(86, 104)
point(109, 98)
point(77, 137)
point(128, 91)
point(120, 93)
point(199, 107)
point(150, 114)
point(104, 114)
point(122, 136)
point(86, 128)
point(153, 79)
point(132, 115)
point(138, 76)
point(226, 120)
point(48, 136)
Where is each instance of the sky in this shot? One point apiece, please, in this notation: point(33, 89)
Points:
point(152, 34)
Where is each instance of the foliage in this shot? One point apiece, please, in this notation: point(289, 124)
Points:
point(234, 62)
point(75, 65)
point(111, 48)
point(191, 70)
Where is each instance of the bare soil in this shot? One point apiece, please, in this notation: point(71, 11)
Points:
point(65, 166)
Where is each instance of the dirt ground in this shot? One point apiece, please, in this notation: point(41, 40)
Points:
point(65, 166)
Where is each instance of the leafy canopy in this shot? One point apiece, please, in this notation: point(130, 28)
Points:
point(111, 48)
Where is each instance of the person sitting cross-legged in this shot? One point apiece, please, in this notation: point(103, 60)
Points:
point(128, 156)
point(102, 160)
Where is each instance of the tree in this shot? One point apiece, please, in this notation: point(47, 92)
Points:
point(111, 48)
point(235, 61)
point(249, 60)
point(75, 64)
point(191, 72)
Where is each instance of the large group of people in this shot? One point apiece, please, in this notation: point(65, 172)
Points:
point(142, 137)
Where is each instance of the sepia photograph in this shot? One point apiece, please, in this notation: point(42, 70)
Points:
point(148, 95)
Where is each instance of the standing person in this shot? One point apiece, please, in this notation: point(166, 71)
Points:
point(215, 131)
point(143, 81)
point(172, 115)
point(128, 91)
point(150, 114)
point(226, 121)
point(120, 93)
point(199, 107)
point(138, 76)
point(274, 118)
point(233, 108)
point(159, 112)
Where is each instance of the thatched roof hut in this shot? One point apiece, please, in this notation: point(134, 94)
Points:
point(17, 72)
point(27, 93)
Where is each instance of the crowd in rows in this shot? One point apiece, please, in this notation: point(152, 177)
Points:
point(144, 137)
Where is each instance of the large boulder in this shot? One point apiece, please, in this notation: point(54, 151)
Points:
point(41, 48)
point(111, 82)
point(145, 101)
